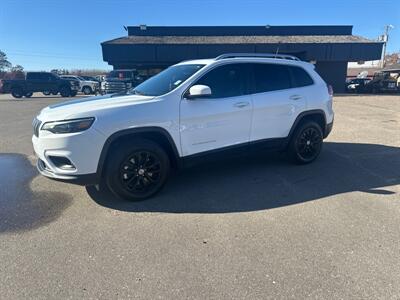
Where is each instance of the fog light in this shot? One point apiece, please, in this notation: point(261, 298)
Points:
point(62, 162)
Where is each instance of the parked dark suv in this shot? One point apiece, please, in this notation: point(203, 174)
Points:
point(47, 83)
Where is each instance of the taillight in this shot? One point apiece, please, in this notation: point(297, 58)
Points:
point(330, 90)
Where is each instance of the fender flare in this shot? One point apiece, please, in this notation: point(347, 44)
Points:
point(148, 129)
point(304, 114)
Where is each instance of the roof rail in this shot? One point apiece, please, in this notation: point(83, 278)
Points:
point(265, 55)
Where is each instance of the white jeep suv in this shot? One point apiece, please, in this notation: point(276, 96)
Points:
point(129, 141)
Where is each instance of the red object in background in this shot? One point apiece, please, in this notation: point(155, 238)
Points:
point(121, 75)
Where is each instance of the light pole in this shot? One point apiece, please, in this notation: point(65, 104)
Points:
point(385, 39)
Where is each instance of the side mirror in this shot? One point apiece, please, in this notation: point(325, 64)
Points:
point(199, 91)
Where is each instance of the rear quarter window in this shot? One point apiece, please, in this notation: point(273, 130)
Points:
point(300, 77)
point(271, 77)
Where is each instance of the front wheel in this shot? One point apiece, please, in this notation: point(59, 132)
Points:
point(306, 143)
point(87, 90)
point(65, 91)
point(137, 170)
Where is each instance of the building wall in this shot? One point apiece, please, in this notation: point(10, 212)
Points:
point(334, 73)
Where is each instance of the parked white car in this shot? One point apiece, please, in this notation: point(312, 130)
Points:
point(192, 110)
point(87, 87)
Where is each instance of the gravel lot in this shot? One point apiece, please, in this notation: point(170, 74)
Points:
point(254, 227)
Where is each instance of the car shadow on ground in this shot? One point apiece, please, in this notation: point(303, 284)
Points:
point(21, 208)
point(262, 182)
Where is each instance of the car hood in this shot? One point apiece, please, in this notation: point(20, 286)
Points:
point(69, 109)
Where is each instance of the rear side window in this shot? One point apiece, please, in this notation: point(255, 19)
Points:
point(271, 77)
point(226, 81)
point(300, 77)
point(35, 76)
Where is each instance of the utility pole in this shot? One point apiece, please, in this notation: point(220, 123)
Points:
point(385, 39)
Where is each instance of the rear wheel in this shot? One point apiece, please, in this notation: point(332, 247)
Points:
point(17, 92)
point(306, 143)
point(137, 170)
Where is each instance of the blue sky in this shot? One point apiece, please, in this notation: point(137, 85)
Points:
point(46, 34)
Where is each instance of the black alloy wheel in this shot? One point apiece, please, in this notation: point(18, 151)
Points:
point(140, 172)
point(137, 170)
point(309, 143)
point(306, 143)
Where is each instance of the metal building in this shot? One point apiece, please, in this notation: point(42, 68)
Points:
point(151, 48)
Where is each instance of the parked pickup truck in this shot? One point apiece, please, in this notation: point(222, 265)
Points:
point(47, 83)
point(384, 81)
point(86, 86)
point(120, 81)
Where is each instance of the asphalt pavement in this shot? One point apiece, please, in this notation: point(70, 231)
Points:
point(249, 228)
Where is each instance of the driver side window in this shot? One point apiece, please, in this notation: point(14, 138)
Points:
point(226, 81)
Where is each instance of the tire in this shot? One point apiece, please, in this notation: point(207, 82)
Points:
point(137, 170)
point(17, 92)
point(65, 91)
point(73, 93)
point(28, 95)
point(306, 143)
point(87, 90)
point(46, 93)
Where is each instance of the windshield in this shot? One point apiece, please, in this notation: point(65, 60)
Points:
point(166, 80)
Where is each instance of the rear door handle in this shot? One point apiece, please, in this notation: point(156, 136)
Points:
point(295, 97)
point(241, 104)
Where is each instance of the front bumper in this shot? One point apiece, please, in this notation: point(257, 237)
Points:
point(86, 179)
point(81, 149)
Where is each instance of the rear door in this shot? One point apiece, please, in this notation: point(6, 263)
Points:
point(277, 100)
point(222, 120)
point(39, 82)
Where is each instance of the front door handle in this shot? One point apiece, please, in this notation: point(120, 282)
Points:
point(295, 97)
point(241, 104)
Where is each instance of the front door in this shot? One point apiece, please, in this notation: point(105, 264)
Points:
point(221, 120)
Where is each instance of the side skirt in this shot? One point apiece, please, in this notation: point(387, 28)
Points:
point(267, 145)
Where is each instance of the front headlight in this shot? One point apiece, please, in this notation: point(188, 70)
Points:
point(68, 126)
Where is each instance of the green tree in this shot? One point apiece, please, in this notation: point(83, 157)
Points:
point(4, 63)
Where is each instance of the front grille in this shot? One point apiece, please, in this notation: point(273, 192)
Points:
point(115, 85)
point(36, 126)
